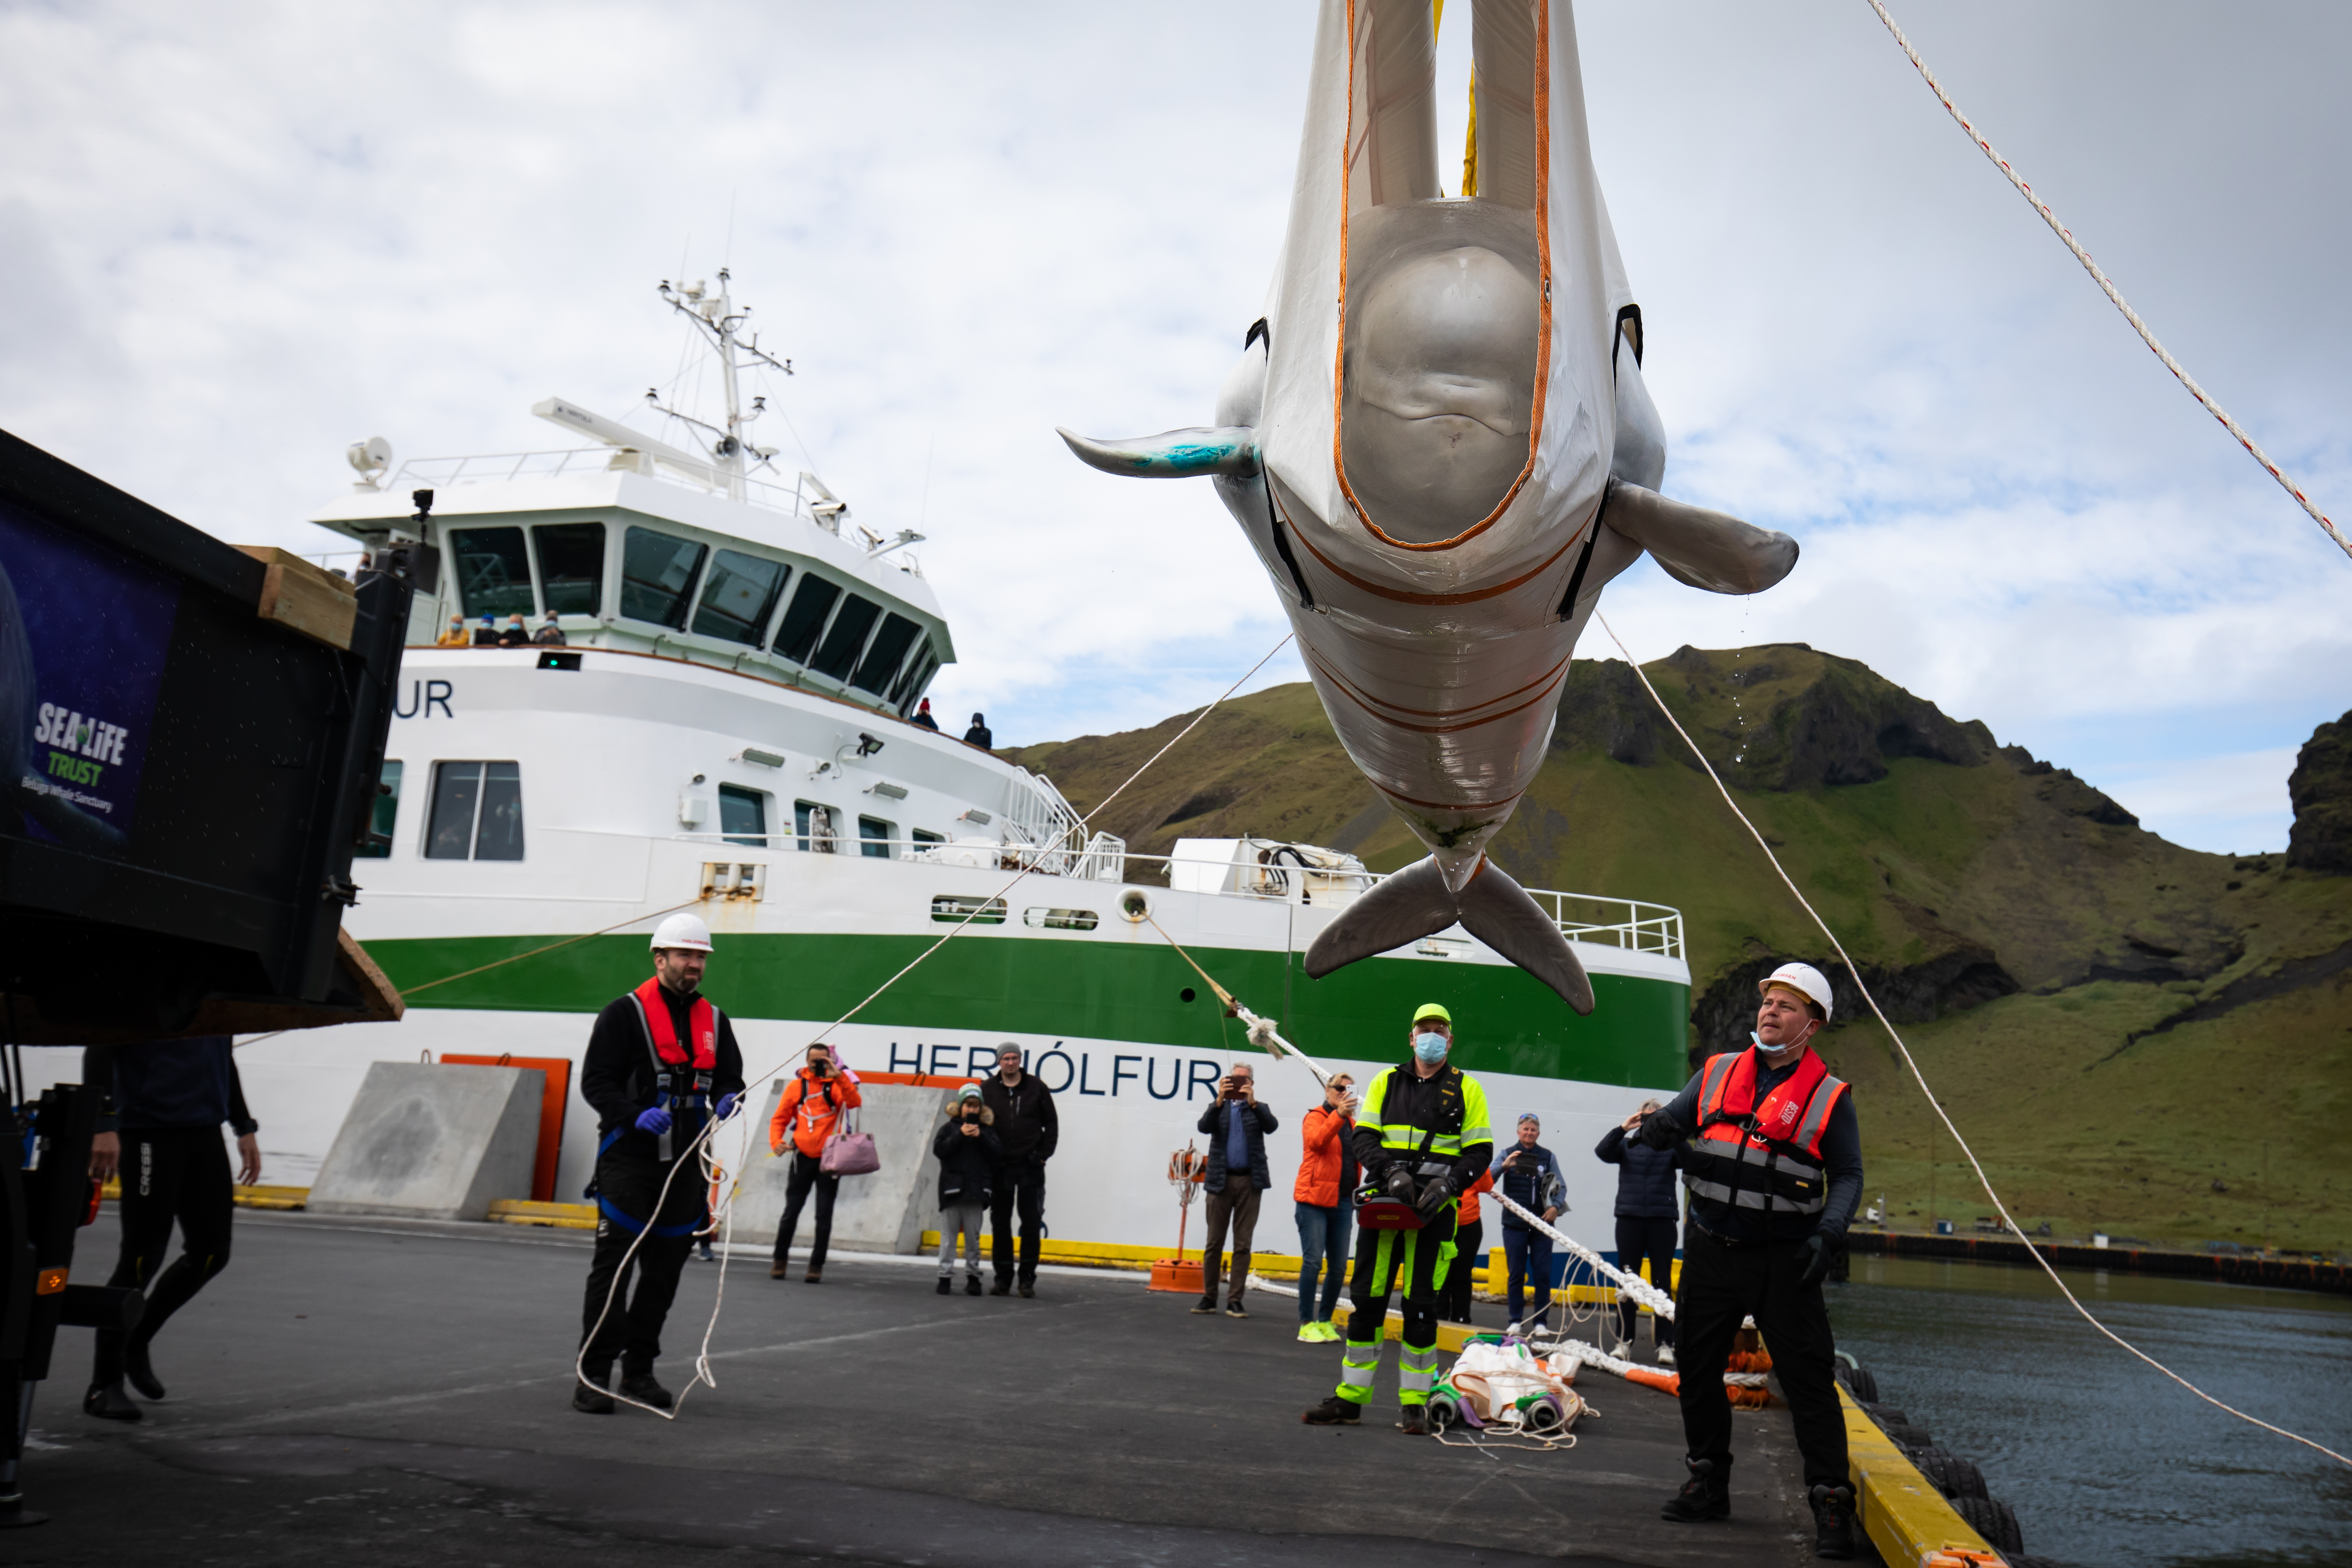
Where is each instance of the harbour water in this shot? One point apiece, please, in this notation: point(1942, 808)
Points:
point(2105, 1460)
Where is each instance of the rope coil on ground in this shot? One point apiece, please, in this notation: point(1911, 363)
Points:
point(2107, 285)
point(1921, 1079)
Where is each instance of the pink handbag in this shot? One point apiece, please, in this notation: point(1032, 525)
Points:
point(849, 1153)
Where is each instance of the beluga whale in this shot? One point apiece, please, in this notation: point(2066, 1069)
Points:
point(1438, 442)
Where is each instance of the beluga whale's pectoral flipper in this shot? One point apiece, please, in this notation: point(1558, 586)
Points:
point(1402, 907)
point(1704, 549)
point(1499, 911)
point(1229, 449)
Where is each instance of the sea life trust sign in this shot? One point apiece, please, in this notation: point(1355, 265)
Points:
point(1438, 441)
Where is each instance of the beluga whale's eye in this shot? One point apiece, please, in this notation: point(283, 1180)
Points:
point(1437, 400)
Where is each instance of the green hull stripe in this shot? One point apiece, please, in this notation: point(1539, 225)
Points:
point(1507, 1021)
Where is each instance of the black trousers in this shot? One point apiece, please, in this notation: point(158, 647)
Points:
point(169, 1174)
point(1454, 1302)
point(1020, 1186)
point(627, 1191)
point(806, 1174)
point(1641, 1236)
point(1720, 1286)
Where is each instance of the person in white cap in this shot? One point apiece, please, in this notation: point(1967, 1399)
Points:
point(1774, 1171)
point(660, 1062)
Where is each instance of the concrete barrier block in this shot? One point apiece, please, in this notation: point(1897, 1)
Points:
point(430, 1141)
point(885, 1211)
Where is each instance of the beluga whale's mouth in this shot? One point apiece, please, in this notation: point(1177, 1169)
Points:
point(1443, 327)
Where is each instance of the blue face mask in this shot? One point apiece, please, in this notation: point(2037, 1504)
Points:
point(1430, 1048)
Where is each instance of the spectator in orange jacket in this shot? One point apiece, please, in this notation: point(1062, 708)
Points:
point(1469, 1231)
point(1325, 1199)
point(810, 1108)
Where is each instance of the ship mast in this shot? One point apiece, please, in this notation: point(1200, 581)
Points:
point(715, 315)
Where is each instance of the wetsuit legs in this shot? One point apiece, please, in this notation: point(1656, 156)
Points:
point(169, 1174)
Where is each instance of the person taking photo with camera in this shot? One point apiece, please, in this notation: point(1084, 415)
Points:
point(1325, 1196)
point(1236, 1178)
point(807, 1113)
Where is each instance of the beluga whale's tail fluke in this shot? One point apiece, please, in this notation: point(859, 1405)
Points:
point(1415, 902)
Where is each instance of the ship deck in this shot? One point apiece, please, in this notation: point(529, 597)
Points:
point(380, 1391)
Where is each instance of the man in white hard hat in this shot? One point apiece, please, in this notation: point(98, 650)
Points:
point(1774, 1170)
point(660, 1063)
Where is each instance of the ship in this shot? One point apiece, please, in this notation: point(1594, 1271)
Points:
point(728, 726)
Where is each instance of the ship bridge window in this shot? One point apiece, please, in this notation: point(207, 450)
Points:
point(657, 573)
point(842, 643)
point(743, 815)
point(881, 661)
point(904, 691)
point(493, 576)
point(873, 836)
point(477, 812)
point(386, 814)
point(739, 597)
point(796, 638)
point(570, 567)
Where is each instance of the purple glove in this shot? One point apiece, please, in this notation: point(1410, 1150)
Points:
point(727, 1105)
point(654, 1120)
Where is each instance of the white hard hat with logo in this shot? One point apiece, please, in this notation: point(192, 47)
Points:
point(682, 931)
point(1805, 981)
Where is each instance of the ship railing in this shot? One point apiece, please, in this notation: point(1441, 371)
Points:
point(1633, 925)
point(493, 467)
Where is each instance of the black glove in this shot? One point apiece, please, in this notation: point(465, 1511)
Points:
point(1659, 1129)
point(1434, 1193)
point(1396, 1181)
point(1819, 1253)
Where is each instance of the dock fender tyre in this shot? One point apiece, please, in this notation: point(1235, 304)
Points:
point(1950, 1473)
point(1860, 1382)
point(1882, 1413)
point(1993, 1520)
point(1905, 1435)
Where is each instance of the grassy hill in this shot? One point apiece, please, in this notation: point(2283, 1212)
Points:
point(2130, 1033)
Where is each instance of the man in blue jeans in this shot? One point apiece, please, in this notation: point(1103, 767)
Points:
point(1529, 1176)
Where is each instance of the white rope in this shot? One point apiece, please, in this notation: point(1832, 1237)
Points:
point(2107, 285)
point(1892, 1033)
point(723, 1210)
point(1633, 1285)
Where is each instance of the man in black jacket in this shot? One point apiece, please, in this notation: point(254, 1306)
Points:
point(660, 1061)
point(1028, 1129)
point(1236, 1177)
point(160, 1113)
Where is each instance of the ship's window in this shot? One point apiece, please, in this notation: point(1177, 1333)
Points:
point(493, 578)
point(813, 825)
point(847, 636)
point(874, 838)
point(881, 661)
point(657, 574)
point(955, 907)
point(385, 816)
point(477, 812)
point(924, 837)
point(743, 815)
point(570, 567)
point(797, 636)
point(1062, 920)
point(904, 690)
point(739, 597)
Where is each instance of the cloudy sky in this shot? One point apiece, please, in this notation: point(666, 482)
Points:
point(235, 238)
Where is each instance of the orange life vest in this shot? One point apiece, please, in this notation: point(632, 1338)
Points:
point(702, 1023)
point(1764, 1156)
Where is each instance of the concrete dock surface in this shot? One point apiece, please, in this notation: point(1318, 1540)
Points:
point(380, 1392)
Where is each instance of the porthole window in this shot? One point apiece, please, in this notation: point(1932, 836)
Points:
point(1061, 920)
point(959, 906)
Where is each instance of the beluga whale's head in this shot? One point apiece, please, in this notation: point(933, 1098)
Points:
point(1441, 354)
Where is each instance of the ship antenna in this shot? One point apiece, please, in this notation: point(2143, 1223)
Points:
point(716, 316)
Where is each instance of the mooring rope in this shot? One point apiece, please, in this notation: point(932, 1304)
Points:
point(1921, 1079)
point(2107, 285)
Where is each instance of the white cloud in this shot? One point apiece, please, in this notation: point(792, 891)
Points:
point(2234, 804)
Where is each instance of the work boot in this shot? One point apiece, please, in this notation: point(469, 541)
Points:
point(971, 1284)
point(816, 1276)
point(1415, 1422)
point(1832, 1522)
point(646, 1389)
point(109, 1403)
point(1205, 1306)
point(779, 1270)
point(945, 1286)
point(136, 1367)
point(1028, 1289)
point(589, 1398)
point(1003, 1287)
point(1335, 1412)
point(1707, 1495)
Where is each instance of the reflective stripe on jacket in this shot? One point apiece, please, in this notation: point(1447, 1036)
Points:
point(1451, 1114)
point(1764, 1156)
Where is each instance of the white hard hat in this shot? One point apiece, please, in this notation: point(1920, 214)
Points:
point(1806, 981)
point(682, 931)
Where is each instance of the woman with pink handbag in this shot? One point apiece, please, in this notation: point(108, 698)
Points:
point(809, 1114)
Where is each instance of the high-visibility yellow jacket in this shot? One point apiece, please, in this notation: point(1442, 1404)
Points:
point(1439, 1120)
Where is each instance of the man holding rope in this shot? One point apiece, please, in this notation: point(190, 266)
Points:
point(660, 1061)
point(1774, 1175)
